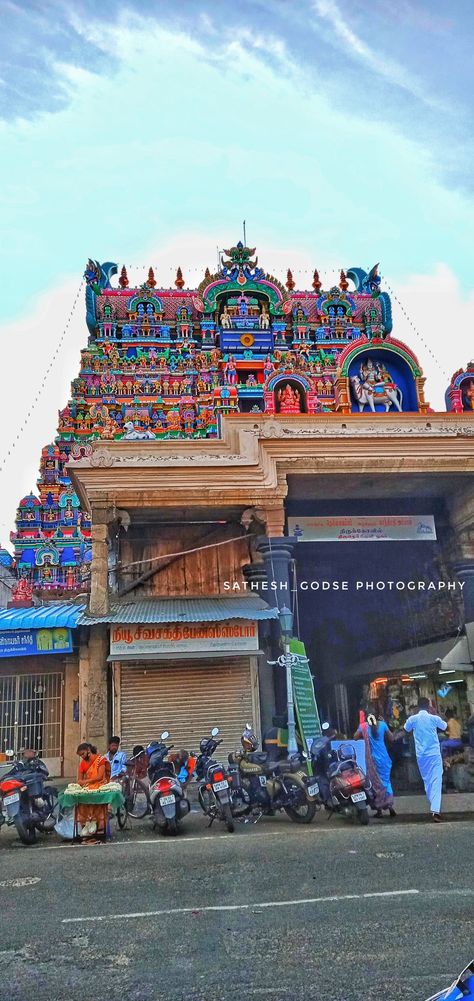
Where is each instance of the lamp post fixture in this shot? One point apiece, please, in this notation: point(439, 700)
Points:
point(286, 660)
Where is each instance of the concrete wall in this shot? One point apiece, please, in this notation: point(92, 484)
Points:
point(71, 727)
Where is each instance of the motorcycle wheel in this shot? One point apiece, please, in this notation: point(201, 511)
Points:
point(158, 824)
point(363, 816)
point(172, 827)
point(305, 812)
point(229, 820)
point(51, 798)
point(26, 832)
point(203, 798)
point(122, 814)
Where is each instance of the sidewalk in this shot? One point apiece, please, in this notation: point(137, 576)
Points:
point(452, 803)
point(456, 804)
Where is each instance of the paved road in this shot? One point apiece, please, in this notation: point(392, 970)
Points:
point(329, 912)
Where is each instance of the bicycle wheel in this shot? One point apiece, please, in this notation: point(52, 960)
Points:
point(138, 803)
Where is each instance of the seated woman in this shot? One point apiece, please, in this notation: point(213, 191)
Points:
point(94, 772)
point(453, 741)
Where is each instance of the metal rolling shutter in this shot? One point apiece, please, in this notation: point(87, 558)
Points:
point(188, 699)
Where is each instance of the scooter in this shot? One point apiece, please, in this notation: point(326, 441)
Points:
point(268, 785)
point(27, 803)
point(462, 988)
point(168, 802)
point(344, 787)
point(213, 778)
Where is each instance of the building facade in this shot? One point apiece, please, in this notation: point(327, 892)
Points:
point(220, 445)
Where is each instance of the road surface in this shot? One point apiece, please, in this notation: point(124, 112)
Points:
point(276, 911)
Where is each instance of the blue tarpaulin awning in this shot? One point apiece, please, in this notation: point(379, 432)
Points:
point(55, 615)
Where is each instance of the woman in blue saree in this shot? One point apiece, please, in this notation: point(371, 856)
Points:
point(376, 736)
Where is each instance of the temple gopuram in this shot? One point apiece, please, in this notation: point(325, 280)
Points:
point(170, 363)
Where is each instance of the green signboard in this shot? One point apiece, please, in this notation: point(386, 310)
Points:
point(309, 724)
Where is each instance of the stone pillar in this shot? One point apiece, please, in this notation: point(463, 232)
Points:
point(465, 573)
point(93, 700)
point(470, 691)
point(461, 507)
point(277, 554)
point(99, 596)
point(257, 580)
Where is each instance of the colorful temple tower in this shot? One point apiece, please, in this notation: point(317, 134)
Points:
point(460, 392)
point(164, 363)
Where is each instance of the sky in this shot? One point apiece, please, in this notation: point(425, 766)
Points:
point(145, 133)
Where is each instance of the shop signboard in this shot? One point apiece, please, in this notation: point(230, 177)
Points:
point(364, 528)
point(309, 725)
point(175, 638)
point(27, 642)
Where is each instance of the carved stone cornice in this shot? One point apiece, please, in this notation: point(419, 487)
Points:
point(250, 463)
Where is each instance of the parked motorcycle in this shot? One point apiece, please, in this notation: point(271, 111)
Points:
point(344, 787)
point(168, 802)
point(462, 988)
point(213, 789)
point(267, 785)
point(26, 802)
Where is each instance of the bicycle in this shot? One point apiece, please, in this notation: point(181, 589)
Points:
point(135, 791)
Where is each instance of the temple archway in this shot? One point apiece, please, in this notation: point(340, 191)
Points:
point(290, 394)
point(379, 376)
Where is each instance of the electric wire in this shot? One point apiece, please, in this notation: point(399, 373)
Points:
point(44, 380)
point(415, 329)
point(165, 556)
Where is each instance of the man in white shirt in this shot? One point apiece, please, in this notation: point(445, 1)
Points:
point(424, 726)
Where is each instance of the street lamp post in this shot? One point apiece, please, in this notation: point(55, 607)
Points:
point(286, 625)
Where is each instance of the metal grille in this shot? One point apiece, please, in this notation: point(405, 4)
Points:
point(31, 713)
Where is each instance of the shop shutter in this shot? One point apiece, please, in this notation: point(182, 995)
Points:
point(188, 699)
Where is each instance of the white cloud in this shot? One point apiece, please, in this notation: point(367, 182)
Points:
point(380, 63)
point(444, 319)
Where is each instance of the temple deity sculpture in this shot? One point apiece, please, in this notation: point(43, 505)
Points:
point(264, 319)
point(468, 394)
point(268, 368)
point(374, 384)
point(225, 319)
point(289, 400)
point(230, 371)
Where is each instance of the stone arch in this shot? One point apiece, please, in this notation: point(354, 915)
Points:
point(404, 375)
point(300, 388)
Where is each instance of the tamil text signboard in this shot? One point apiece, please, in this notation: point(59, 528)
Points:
point(26, 642)
point(364, 528)
point(309, 725)
point(174, 638)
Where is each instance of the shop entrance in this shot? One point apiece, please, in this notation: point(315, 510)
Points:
point(187, 698)
point(31, 715)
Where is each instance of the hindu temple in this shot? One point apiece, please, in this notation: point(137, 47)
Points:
point(218, 441)
point(169, 363)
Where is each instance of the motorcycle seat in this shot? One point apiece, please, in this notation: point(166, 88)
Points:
point(258, 757)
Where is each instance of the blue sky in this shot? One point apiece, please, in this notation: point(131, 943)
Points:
point(146, 132)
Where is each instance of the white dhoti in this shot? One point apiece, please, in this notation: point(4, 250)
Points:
point(431, 771)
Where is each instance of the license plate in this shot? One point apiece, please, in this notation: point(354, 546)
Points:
point(263, 780)
point(15, 796)
point(357, 797)
point(313, 790)
point(220, 785)
point(166, 800)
